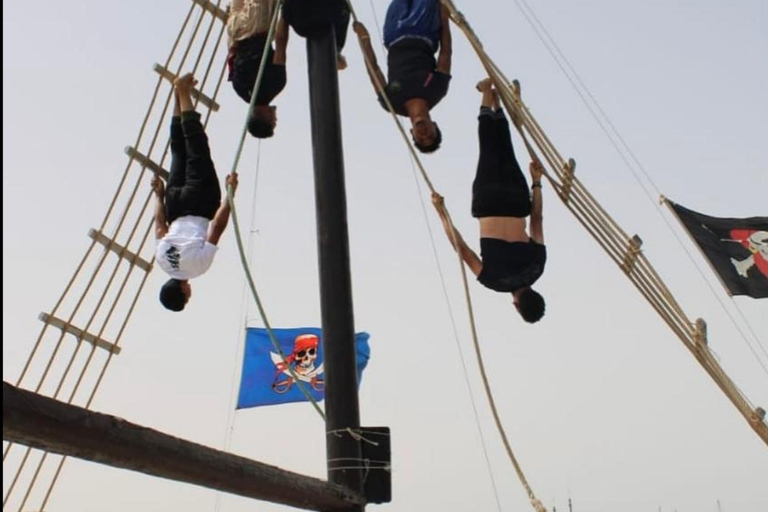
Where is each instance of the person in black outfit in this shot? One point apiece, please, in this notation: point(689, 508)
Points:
point(413, 32)
point(511, 259)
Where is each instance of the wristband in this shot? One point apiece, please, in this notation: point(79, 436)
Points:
point(536, 184)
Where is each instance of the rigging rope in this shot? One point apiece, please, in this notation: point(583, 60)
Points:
point(454, 328)
point(623, 250)
point(240, 247)
point(537, 505)
point(68, 324)
point(618, 142)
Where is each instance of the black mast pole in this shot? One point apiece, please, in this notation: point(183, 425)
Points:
point(341, 401)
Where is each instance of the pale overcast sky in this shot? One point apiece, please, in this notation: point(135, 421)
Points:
point(601, 402)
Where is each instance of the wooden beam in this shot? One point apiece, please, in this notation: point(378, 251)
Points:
point(41, 422)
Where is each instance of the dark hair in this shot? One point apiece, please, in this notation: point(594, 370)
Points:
point(435, 144)
point(172, 296)
point(530, 305)
point(259, 127)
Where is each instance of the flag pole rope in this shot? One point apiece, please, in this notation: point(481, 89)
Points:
point(447, 299)
point(236, 224)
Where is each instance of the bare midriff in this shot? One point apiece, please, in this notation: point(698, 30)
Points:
point(510, 229)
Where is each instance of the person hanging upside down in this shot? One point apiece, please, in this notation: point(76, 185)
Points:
point(247, 30)
point(413, 32)
point(189, 214)
point(511, 260)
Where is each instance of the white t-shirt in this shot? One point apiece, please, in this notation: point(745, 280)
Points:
point(183, 252)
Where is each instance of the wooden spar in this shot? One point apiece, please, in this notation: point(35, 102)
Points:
point(47, 424)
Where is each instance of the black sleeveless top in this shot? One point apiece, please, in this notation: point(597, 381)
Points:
point(509, 266)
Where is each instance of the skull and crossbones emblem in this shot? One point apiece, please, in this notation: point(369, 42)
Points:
point(757, 243)
point(302, 361)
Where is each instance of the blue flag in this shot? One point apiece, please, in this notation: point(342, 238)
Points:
point(267, 378)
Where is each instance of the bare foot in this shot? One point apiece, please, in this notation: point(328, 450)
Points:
point(185, 82)
point(484, 85)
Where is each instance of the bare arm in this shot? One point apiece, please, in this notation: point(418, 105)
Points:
point(537, 229)
point(474, 263)
point(446, 43)
point(281, 43)
point(221, 219)
point(372, 65)
point(161, 223)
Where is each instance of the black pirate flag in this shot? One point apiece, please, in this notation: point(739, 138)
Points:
point(737, 249)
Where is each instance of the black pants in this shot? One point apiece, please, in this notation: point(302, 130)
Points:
point(500, 188)
point(193, 187)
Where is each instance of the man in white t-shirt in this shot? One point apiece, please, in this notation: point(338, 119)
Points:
point(189, 215)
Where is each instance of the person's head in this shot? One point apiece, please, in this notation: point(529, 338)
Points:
point(529, 304)
point(262, 121)
point(426, 135)
point(175, 294)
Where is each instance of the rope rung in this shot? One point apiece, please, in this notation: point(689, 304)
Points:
point(569, 169)
point(121, 251)
point(146, 162)
point(199, 96)
point(213, 9)
point(79, 333)
point(630, 257)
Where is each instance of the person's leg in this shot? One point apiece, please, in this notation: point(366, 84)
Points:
point(509, 164)
point(202, 192)
point(397, 10)
point(177, 173)
point(488, 168)
point(414, 18)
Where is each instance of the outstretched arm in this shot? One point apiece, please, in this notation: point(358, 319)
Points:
point(537, 229)
point(474, 263)
point(281, 42)
point(372, 65)
point(221, 219)
point(446, 43)
point(161, 223)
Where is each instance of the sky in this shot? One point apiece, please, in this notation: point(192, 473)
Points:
point(601, 402)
